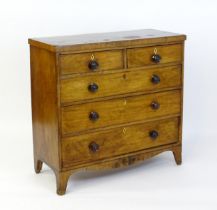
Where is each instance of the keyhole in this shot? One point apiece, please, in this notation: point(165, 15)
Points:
point(155, 50)
point(92, 57)
point(124, 130)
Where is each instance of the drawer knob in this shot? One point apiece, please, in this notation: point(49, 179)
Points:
point(155, 105)
point(94, 116)
point(94, 147)
point(93, 87)
point(156, 58)
point(153, 134)
point(155, 79)
point(93, 64)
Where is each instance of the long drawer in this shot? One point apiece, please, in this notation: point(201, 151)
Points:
point(77, 118)
point(104, 144)
point(142, 56)
point(102, 85)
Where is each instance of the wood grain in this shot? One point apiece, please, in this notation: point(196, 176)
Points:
point(112, 112)
point(118, 141)
point(78, 63)
point(142, 56)
point(121, 39)
point(44, 108)
point(111, 163)
point(76, 89)
point(66, 139)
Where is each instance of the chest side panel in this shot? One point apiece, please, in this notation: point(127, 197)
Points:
point(44, 106)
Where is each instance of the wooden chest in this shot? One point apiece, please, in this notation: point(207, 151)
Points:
point(105, 100)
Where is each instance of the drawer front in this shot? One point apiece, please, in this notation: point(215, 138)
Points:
point(89, 87)
point(94, 115)
point(137, 57)
point(80, 63)
point(96, 146)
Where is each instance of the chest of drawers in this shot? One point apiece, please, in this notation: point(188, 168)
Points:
point(105, 100)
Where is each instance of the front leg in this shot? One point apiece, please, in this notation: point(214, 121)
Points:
point(37, 165)
point(177, 152)
point(61, 182)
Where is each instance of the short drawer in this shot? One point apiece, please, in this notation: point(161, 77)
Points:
point(77, 118)
point(104, 144)
point(137, 57)
point(96, 86)
point(90, 62)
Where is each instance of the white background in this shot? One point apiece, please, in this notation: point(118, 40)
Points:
point(156, 184)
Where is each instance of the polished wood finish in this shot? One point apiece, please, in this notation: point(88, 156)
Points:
point(118, 141)
point(118, 111)
point(142, 56)
point(103, 101)
point(44, 108)
point(177, 152)
point(78, 63)
point(111, 40)
point(76, 89)
point(112, 163)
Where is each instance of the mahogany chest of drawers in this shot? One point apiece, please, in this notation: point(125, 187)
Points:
point(105, 100)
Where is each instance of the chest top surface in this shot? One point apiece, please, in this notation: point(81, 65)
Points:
point(110, 39)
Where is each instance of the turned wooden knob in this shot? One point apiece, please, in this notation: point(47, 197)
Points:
point(156, 58)
point(93, 65)
point(94, 147)
point(93, 87)
point(93, 116)
point(155, 105)
point(155, 79)
point(153, 134)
